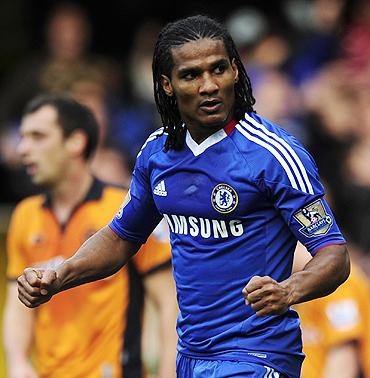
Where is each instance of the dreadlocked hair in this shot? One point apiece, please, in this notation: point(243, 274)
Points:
point(176, 34)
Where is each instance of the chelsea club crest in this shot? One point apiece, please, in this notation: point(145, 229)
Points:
point(224, 198)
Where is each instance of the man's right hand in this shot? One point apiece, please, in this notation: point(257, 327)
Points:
point(37, 286)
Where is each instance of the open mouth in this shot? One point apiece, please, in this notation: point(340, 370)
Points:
point(31, 168)
point(210, 106)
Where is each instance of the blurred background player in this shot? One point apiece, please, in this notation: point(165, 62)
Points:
point(336, 328)
point(79, 334)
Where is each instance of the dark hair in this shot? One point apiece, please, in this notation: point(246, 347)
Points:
point(176, 34)
point(72, 116)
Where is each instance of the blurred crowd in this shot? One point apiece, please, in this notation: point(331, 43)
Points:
point(310, 73)
point(313, 78)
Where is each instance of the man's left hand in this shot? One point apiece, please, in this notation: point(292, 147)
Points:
point(266, 296)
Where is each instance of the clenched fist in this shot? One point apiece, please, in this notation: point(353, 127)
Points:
point(266, 296)
point(37, 286)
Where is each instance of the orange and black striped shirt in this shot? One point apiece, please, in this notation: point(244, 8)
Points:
point(79, 333)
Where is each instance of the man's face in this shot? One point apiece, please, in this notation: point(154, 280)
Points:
point(43, 147)
point(203, 80)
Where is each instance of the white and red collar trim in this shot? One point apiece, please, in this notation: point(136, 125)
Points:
point(197, 149)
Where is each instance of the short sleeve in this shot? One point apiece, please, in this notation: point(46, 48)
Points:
point(156, 252)
point(291, 182)
point(138, 215)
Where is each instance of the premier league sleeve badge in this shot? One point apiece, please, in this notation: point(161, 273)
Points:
point(314, 219)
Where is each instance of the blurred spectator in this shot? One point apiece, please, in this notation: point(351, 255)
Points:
point(265, 51)
point(110, 162)
point(262, 46)
point(279, 101)
point(247, 25)
point(139, 61)
point(317, 30)
point(66, 54)
point(271, 51)
point(356, 43)
point(68, 34)
point(331, 121)
point(353, 194)
point(133, 124)
point(338, 120)
point(336, 328)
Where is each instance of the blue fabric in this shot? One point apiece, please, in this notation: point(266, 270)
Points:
point(235, 205)
point(194, 368)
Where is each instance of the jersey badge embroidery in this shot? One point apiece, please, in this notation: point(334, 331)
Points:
point(314, 219)
point(160, 189)
point(125, 202)
point(224, 198)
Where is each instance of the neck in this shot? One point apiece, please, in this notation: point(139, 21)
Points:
point(70, 192)
point(200, 133)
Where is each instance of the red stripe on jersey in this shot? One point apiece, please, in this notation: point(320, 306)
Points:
point(328, 245)
point(230, 126)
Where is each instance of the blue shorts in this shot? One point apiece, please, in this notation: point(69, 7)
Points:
point(187, 367)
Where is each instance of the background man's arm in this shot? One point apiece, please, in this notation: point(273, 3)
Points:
point(18, 330)
point(301, 257)
point(160, 287)
point(342, 361)
point(100, 256)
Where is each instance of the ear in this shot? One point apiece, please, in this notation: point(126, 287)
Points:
point(166, 85)
point(76, 143)
point(235, 69)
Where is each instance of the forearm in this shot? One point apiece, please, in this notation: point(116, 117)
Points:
point(160, 287)
point(100, 256)
point(17, 328)
point(168, 342)
point(342, 361)
point(321, 276)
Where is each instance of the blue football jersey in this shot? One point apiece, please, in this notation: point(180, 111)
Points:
point(236, 204)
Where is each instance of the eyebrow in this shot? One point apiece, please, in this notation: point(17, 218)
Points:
point(186, 70)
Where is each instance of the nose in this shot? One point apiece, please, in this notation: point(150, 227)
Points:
point(22, 147)
point(208, 85)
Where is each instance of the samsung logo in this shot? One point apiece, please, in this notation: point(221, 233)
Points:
point(206, 228)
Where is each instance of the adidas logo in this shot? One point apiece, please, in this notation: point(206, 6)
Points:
point(160, 189)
